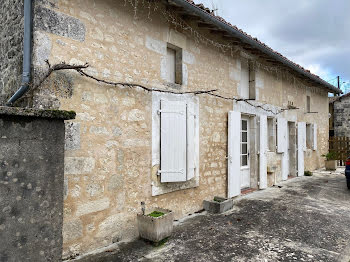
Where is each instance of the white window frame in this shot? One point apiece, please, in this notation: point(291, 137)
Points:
point(156, 136)
point(177, 79)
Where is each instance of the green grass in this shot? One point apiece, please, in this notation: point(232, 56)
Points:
point(156, 214)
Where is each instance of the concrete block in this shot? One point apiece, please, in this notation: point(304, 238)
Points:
point(188, 57)
point(60, 24)
point(72, 230)
point(156, 45)
point(155, 229)
point(331, 164)
point(93, 206)
point(72, 136)
point(219, 206)
point(78, 165)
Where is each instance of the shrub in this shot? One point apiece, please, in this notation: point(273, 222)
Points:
point(307, 173)
point(330, 155)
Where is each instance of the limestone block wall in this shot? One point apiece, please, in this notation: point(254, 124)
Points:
point(11, 40)
point(108, 163)
point(342, 117)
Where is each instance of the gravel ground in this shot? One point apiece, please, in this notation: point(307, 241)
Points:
point(302, 219)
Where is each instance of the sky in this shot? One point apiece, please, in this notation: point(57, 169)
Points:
point(312, 33)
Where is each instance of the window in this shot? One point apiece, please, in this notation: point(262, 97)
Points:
point(174, 64)
point(244, 143)
point(308, 104)
point(309, 136)
point(247, 84)
point(178, 141)
point(271, 134)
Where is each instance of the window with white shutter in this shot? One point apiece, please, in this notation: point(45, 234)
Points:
point(178, 141)
point(314, 145)
point(309, 136)
point(281, 135)
point(191, 137)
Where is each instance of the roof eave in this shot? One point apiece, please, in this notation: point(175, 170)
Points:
point(246, 39)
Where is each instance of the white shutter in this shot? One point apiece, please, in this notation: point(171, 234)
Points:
point(302, 127)
point(173, 141)
point(314, 145)
point(301, 147)
point(285, 166)
point(191, 135)
point(234, 151)
point(262, 154)
point(281, 135)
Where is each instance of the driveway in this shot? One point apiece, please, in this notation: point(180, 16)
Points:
point(302, 219)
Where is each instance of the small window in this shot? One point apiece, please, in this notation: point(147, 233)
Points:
point(308, 104)
point(247, 84)
point(271, 134)
point(309, 136)
point(174, 64)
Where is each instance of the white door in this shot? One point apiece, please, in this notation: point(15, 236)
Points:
point(245, 166)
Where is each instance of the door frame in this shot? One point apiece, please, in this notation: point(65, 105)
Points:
point(245, 168)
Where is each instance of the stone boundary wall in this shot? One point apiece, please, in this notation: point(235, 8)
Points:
point(11, 41)
point(342, 117)
point(31, 184)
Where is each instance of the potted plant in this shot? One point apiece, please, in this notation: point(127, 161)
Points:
point(218, 205)
point(155, 224)
point(331, 160)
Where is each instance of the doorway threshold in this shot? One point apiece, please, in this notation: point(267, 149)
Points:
point(248, 190)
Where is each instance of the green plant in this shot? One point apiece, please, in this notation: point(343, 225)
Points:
point(216, 199)
point(307, 173)
point(330, 156)
point(156, 214)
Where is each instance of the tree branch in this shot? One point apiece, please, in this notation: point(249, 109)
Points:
point(79, 69)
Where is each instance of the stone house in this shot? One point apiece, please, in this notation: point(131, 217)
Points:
point(170, 149)
point(339, 121)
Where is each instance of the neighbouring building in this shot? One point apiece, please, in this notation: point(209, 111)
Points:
point(266, 121)
point(339, 120)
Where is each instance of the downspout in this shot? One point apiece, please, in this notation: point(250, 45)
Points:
point(27, 53)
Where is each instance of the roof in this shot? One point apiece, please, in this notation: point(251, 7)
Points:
point(250, 43)
point(338, 98)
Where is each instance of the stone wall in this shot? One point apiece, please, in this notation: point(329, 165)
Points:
point(342, 117)
point(11, 41)
point(31, 184)
point(108, 159)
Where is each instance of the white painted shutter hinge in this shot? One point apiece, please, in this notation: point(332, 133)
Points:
point(173, 112)
point(170, 171)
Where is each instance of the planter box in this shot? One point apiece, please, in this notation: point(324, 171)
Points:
point(331, 164)
point(218, 207)
point(155, 229)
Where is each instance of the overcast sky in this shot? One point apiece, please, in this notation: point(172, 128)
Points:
point(312, 33)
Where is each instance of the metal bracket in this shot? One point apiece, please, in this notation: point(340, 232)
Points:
point(173, 112)
point(170, 171)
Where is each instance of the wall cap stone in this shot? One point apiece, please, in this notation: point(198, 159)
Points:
point(39, 113)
